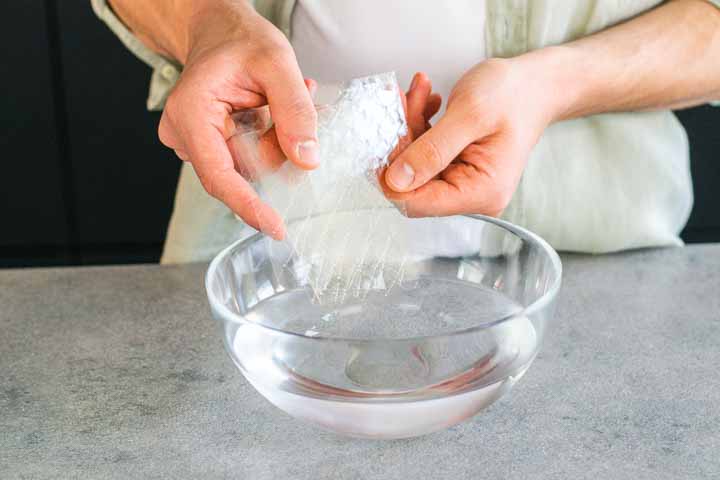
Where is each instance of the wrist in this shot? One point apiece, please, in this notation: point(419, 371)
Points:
point(175, 28)
point(213, 22)
point(557, 80)
point(160, 25)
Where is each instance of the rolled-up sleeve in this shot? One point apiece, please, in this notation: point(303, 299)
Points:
point(165, 71)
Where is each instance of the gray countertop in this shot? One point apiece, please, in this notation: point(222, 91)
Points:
point(119, 372)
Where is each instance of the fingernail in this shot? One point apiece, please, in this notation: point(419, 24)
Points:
point(308, 153)
point(181, 155)
point(414, 81)
point(276, 233)
point(401, 176)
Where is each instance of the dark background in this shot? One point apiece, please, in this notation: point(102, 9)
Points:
point(84, 179)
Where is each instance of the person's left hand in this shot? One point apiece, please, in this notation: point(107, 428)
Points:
point(473, 158)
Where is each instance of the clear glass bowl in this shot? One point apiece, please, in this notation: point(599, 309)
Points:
point(459, 324)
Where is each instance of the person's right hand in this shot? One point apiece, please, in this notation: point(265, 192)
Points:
point(236, 59)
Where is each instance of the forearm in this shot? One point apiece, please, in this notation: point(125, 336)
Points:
point(169, 26)
point(666, 58)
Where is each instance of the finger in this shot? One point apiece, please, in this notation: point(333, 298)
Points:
point(256, 119)
point(463, 187)
point(256, 156)
point(417, 98)
point(214, 166)
point(418, 93)
point(293, 112)
point(434, 199)
point(245, 99)
point(432, 106)
point(182, 155)
point(231, 188)
point(429, 154)
point(244, 130)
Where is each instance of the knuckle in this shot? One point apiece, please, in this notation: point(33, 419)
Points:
point(174, 100)
point(213, 183)
point(209, 184)
point(173, 105)
point(272, 57)
point(165, 133)
point(217, 185)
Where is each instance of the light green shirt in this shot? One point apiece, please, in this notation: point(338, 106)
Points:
point(513, 27)
point(597, 184)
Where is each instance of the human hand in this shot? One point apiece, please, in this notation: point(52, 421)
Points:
point(472, 160)
point(420, 104)
point(236, 60)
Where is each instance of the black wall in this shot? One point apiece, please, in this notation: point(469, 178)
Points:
point(83, 178)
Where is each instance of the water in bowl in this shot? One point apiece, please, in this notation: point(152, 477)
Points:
point(427, 378)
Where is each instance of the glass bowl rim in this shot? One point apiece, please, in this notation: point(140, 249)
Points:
point(522, 233)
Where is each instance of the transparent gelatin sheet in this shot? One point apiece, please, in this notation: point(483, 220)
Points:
point(339, 236)
point(344, 238)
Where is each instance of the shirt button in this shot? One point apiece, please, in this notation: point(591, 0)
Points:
point(169, 73)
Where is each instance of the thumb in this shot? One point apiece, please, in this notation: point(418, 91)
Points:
point(430, 154)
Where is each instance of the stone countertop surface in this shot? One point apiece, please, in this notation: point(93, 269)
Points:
point(120, 372)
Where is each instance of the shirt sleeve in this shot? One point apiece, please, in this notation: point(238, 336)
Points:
point(165, 71)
